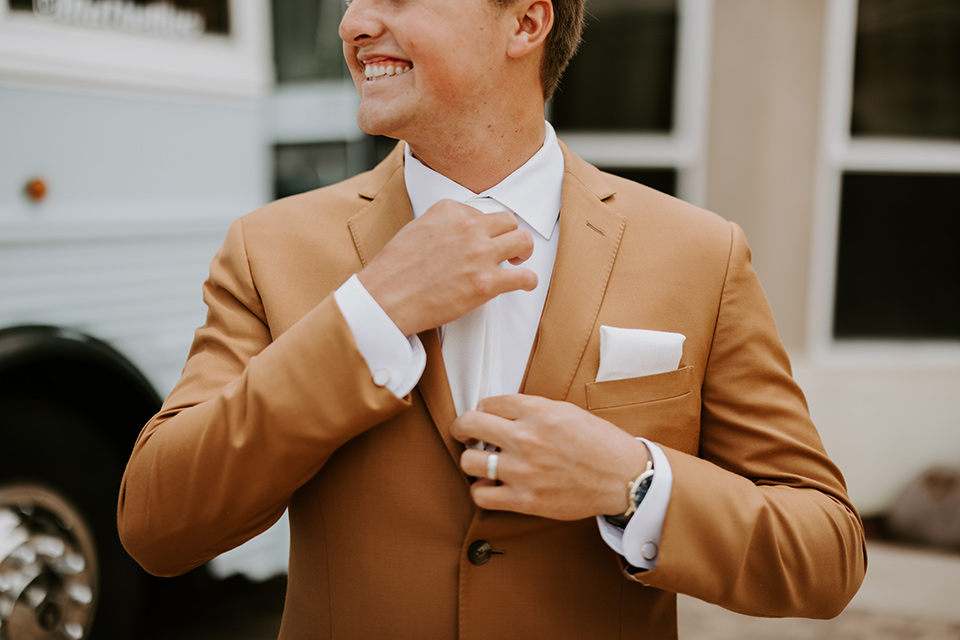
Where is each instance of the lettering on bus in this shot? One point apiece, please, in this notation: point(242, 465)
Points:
point(165, 18)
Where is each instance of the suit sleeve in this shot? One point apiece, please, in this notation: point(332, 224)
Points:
point(253, 417)
point(760, 521)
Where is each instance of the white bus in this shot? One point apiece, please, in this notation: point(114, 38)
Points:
point(131, 133)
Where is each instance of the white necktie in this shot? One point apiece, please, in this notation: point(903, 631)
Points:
point(472, 344)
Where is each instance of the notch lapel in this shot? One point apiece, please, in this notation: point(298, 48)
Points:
point(590, 234)
point(372, 227)
point(388, 211)
point(435, 391)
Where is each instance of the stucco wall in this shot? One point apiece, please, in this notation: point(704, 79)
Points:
point(761, 149)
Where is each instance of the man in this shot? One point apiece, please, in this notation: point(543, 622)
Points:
point(319, 381)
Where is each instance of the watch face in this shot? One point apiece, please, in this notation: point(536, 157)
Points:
point(640, 490)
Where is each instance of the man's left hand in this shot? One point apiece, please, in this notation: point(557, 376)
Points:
point(556, 460)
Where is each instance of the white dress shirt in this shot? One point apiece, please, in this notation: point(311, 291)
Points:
point(533, 194)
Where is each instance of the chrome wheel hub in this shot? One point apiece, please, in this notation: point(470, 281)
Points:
point(48, 567)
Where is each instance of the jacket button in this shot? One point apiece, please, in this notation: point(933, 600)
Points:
point(479, 552)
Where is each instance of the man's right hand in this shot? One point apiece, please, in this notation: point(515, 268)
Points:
point(446, 263)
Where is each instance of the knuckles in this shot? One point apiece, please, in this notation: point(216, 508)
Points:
point(504, 218)
point(483, 284)
point(462, 226)
point(526, 439)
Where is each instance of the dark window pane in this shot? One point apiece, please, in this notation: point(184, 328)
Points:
point(305, 166)
point(302, 167)
point(907, 73)
point(382, 146)
point(664, 180)
point(306, 41)
point(175, 18)
point(898, 271)
point(623, 76)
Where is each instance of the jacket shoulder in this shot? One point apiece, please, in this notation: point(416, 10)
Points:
point(642, 206)
point(640, 203)
point(335, 202)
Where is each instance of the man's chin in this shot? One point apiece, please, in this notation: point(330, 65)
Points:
point(379, 124)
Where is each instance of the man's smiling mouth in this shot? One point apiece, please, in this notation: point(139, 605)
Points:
point(384, 69)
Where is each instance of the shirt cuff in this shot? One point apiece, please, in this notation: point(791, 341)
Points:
point(639, 541)
point(395, 361)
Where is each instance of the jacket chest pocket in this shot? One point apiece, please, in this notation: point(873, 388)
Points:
point(664, 408)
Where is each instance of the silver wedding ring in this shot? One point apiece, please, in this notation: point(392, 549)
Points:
point(492, 461)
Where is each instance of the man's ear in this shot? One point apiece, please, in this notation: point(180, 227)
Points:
point(534, 19)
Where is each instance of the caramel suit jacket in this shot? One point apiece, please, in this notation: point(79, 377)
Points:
point(277, 408)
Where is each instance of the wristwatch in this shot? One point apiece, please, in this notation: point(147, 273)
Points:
point(636, 490)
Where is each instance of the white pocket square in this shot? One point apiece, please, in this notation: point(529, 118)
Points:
point(631, 353)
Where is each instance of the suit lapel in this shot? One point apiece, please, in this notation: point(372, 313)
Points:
point(590, 234)
point(435, 390)
point(388, 211)
point(372, 227)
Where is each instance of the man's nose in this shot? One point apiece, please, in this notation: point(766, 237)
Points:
point(360, 22)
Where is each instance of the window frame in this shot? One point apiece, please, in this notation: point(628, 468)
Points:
point(684, 148)
point(841, 152)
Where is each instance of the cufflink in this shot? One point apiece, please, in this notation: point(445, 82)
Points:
point(381, 377)
point(649, 550)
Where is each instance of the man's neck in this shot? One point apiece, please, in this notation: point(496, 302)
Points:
point(481, 161)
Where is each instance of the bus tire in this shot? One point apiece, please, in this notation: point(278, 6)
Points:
point(59, 482)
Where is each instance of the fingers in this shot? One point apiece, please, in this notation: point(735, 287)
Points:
point(501, 495)
point(515, 246)
point(495, 224)
point(445, 263)
point(492, 494)
point(493, 497)
point(493, 421)
point(515, 280)
point(474, 425)
point(508, 243)
point(499, 222)
point(509, 407)
point(494, 280)
point(474, 463)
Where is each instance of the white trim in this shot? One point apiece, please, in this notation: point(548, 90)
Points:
point(237, 65)
point(692, 97)
point(900, 155)
point(840, 152)
point(633, 150)
point(684, 147)
point(835, 96)
point(835, 108)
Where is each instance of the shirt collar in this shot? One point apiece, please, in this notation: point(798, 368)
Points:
point(532, 191)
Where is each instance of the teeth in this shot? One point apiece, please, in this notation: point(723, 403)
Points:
point(372, 71)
